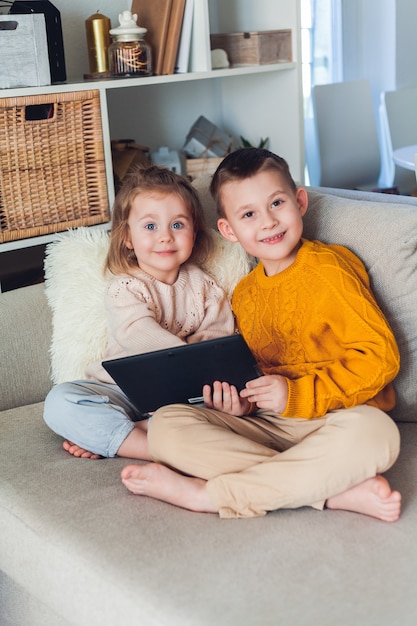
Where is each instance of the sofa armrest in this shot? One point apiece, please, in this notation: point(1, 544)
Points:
point(25, 336)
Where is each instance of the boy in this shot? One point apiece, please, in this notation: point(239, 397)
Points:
point(313, 430)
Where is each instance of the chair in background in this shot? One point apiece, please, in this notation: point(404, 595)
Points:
point(398, 114)
point(346, 134)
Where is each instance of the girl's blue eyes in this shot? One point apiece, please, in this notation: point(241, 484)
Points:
point(174, 226)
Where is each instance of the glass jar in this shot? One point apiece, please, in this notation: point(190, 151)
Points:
point(129, 53)
point(130, 58)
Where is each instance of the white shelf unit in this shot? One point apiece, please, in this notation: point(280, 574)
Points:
point(252, 101)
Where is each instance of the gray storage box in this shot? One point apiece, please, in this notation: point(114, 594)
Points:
point(24, 51)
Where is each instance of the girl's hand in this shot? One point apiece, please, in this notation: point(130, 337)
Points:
point(267, 392)
point(225, 397)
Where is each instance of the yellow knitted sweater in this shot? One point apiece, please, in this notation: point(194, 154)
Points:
point(318, 324)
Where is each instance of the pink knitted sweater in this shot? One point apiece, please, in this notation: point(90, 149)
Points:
point(145, 314)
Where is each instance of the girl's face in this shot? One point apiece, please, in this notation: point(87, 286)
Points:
point(265, 215)
point(161, 234)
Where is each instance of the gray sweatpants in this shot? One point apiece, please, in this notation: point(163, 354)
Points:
point(96, 416)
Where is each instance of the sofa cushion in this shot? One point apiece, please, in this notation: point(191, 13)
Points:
point(25, 325)
point(75, 538)
point(75, 284)
point(384, 236)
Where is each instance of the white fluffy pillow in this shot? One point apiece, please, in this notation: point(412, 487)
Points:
point(75, 284)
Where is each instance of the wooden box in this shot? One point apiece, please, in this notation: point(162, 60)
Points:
point(198, 167)
point(256, 47)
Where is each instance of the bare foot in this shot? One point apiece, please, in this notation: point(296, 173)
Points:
point(162, 483)
point(79, 452)
point(372, 497)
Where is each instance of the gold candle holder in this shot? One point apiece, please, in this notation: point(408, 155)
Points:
point(97, 28)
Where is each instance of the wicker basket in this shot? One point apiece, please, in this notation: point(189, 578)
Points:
point(52, 171)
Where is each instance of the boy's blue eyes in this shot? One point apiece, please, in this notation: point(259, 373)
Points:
point(274, 204)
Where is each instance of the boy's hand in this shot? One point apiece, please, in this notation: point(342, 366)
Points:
point(225, 397)
point(267, 392)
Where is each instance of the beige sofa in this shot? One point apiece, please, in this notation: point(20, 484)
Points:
point(77, 548)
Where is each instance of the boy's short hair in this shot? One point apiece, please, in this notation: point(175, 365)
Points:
point(245, 163)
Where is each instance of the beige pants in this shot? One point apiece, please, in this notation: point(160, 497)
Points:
point(265, 462)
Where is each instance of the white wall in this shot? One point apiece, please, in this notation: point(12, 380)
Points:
point(73, 16)
point(406, 34)
point(380, 43)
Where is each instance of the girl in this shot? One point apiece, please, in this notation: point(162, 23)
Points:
point(158, 298)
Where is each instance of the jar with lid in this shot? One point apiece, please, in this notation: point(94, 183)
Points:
point(129, 53)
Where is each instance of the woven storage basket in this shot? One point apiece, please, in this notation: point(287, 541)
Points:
point(52, 171)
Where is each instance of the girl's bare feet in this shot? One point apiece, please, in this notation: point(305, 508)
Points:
point(79, 452)
point(135, 446)
point(162, 483)
point(372, 497)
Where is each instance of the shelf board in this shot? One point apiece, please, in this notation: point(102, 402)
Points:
point(118, 83)
point(179, 78)
point(29, 242)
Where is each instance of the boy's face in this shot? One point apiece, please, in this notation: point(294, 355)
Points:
point(265, 215)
